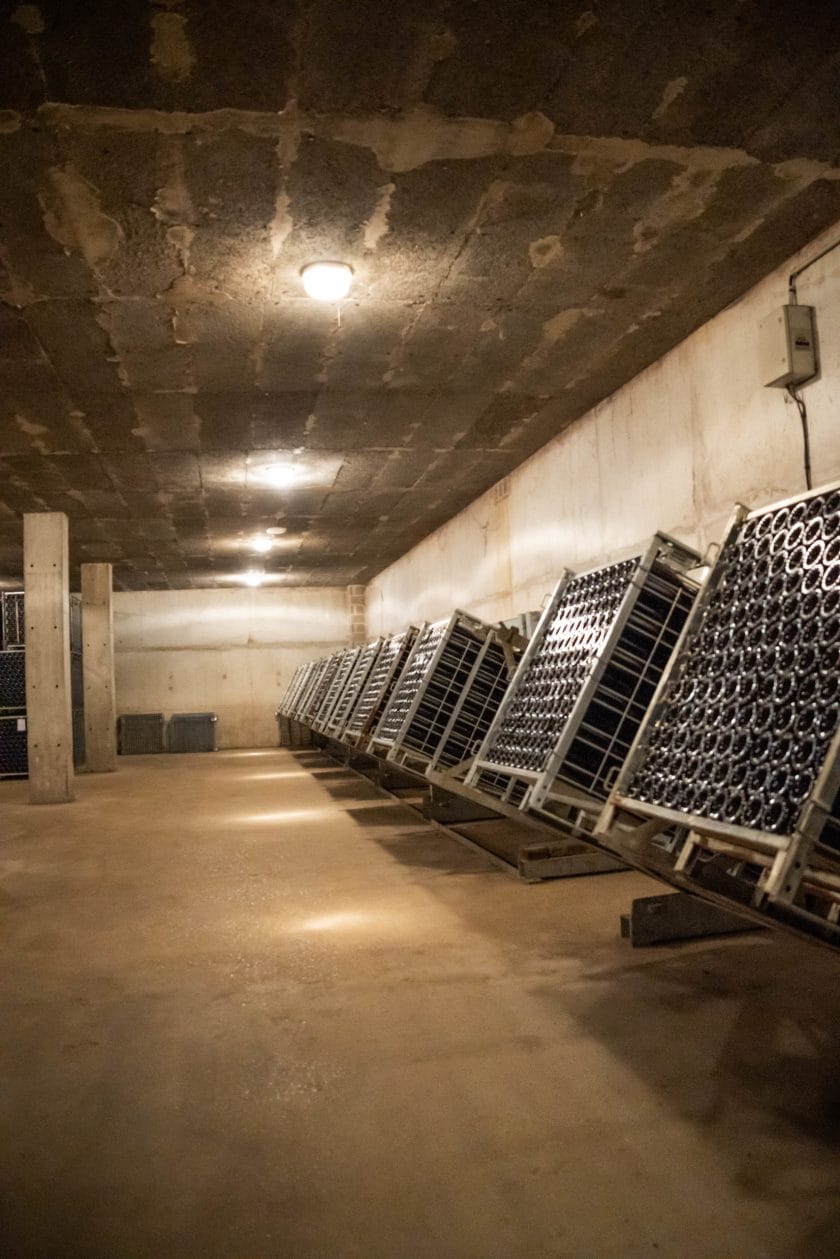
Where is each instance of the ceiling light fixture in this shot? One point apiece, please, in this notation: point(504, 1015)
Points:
point(327, 281)
point(280, 475)
point(253, 577)
point(277, 531)
point(261, 544)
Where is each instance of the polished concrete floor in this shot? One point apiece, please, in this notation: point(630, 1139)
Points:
point(249, 1008)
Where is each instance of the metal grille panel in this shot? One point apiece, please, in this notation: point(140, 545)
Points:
point(569, 644)
point(191, 732)
point(335, 690)
point(380, 684)
point(588, 677)
point(12, 679)
point(318, 692)
point(362, 665)
point(140, 734)
point(13, 627)
point(409, 682)
point(14, 756)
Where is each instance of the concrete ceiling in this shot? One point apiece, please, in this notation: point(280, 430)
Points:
point(538, 199)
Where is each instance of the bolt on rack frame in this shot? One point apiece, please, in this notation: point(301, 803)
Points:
point(346, 660)
point(380, 684)
point(584, 684)
point(365, 660)
point(741, 746)
point(457, 662)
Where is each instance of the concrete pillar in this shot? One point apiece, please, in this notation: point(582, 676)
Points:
point(100, 703)
point(49, 721)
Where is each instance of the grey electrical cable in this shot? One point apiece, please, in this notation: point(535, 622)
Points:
point(794, 275)
point(806, 436)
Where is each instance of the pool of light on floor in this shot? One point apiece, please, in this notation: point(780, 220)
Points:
point(284, 815)
point(276, 773)
point(342, 921)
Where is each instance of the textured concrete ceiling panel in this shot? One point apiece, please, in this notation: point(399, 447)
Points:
point(537, 201)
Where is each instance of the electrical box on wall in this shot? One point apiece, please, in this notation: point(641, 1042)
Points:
point(787, 347)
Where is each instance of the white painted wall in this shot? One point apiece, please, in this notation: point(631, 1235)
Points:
point(673, 450)
point(231, 652)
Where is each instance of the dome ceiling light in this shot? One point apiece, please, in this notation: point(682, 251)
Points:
point(281, 476)
point(327, 281)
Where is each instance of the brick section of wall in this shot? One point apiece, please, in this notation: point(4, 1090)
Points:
point(358, 619)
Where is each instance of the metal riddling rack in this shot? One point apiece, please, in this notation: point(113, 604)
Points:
point(288, 697)
point(454, 662)
point(12, 624)
point(477, 705)
point(364, 661)
point(585, 683)
point(293, 706)
point(14, 752)
point(741, 746)
point(409, 682)
point(316, 695)
point(13, 682)
point(339, 680)
point(12, 678)
point(379, 686)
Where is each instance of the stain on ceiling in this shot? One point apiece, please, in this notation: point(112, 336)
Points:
point(537, 199)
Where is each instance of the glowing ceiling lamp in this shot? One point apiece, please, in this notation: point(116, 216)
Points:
point(327, 281)
point(261, 544)
point(253, 577)
point(279, 475)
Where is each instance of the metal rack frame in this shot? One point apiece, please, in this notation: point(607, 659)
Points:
point(288, 696)
point(381, 681)
point(346, 660)
point(12, 622)
point(556, 788)
point(766, 872)
point(310, 701)
point(311, 670)
point(416, 737)
point(477, 704)
point(365, 660)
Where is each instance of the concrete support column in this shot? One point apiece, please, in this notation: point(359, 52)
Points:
point(49, 720)
point(100, 702)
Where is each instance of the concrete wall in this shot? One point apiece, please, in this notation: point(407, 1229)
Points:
point(672, 450)
point(227, 651)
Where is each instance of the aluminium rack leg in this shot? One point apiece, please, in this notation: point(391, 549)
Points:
point(678, 916)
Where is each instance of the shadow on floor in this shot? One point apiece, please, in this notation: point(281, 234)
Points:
point(742, 1042)
point(392, 815)
point(352, 789)
point(324, 777)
